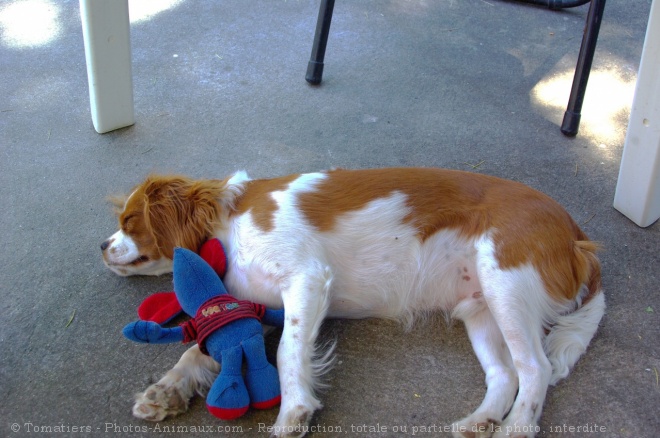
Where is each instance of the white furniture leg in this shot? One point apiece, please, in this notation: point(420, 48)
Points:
point(106, 34)
point(638, 188)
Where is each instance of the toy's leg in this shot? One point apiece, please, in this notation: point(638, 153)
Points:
point(228, 398)
point(261, 377)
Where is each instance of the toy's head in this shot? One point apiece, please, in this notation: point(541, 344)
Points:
point(195, 282)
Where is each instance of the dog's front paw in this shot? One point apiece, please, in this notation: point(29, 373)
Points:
point(292, 423)
point(475, 426)
point(160, 401)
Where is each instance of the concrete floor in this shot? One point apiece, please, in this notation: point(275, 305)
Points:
point(479, 85)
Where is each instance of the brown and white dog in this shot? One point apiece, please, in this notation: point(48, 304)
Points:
point(395, 243)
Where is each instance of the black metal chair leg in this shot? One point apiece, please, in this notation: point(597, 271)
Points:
point(315, 65)
point(571, 122)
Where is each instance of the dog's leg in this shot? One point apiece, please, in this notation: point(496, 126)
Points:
point(306, 304)
point(519, 304)
point(533, 367)
point(194, 372)
point(501, 378)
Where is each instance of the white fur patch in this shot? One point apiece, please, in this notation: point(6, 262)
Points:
point(122, 256)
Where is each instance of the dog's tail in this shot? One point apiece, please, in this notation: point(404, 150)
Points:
point(571, 333)
point(322, 358)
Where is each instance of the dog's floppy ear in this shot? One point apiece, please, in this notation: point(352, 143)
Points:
point(181, 212)
point(118, 202)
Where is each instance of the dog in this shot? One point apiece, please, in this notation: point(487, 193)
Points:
point(502, 257)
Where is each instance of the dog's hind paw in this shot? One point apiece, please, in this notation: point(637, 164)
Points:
point(475, 426)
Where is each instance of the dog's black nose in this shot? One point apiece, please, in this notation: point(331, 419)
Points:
point(105, 245)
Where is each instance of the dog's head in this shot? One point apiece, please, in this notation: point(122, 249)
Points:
point(164, 212)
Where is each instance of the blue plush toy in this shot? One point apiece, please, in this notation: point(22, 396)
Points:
point(225, 328)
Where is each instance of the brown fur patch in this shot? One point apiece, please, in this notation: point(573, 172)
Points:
point(132, 221)
point(168, 211)
point(528, 226)
point(258, 200)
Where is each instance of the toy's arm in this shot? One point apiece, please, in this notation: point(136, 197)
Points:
point(149, 332)
point(273, 317)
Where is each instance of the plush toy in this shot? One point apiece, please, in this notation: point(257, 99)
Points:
point(162, 307)
point(225, 328)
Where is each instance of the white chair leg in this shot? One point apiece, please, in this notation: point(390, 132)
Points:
point(638, 188)
point(106, 34)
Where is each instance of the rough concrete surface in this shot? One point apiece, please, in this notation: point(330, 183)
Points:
point(478, 85)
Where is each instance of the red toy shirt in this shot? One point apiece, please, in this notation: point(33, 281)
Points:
point(216, 313)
